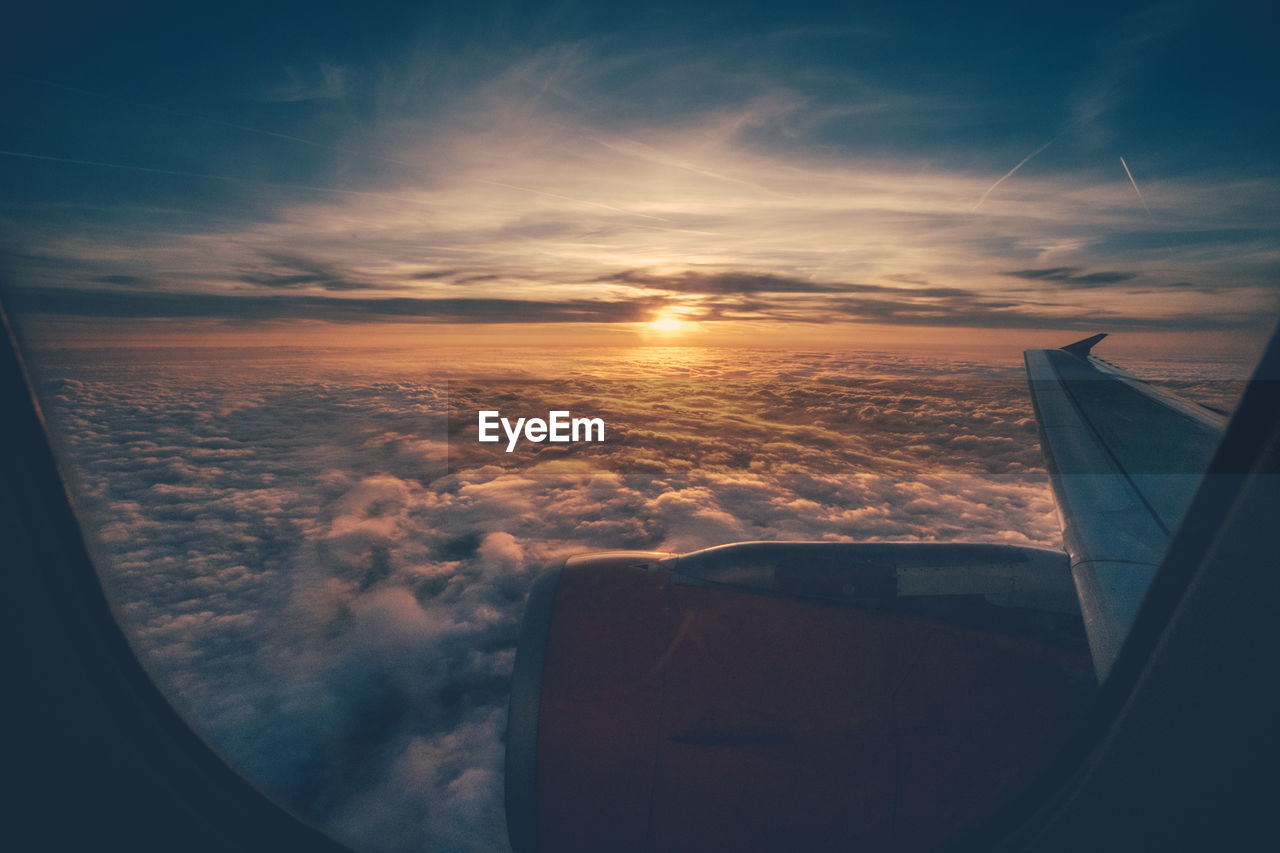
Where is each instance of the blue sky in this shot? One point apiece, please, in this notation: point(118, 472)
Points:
point(765, 169)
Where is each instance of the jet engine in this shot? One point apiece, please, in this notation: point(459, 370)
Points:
point(788, 696)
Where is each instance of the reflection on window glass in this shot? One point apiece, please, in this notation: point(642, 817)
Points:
point(268, 273)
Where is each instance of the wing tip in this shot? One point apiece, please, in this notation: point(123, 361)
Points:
point(1081, 348)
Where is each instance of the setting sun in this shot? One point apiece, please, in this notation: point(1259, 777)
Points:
point(669, 323)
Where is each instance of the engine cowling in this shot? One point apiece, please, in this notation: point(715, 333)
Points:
point(788, 696)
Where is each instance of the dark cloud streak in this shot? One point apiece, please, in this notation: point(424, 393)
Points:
point(89, 303)
point(305, 272)
point(1069, 276)
point(946, 307)
point(734, 282)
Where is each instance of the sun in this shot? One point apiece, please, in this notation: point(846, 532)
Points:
point(669, 323)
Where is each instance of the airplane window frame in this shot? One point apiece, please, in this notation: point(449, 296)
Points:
point(102, 754)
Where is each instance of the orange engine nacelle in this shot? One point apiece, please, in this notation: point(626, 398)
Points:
point(658, 705)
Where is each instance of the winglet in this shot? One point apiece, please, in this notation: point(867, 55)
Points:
point(1081, 348)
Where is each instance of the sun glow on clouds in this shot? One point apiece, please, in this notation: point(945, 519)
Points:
point(671, 322)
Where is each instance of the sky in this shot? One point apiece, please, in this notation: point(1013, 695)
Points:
point(717, 173)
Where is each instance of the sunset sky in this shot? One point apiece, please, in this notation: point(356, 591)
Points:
point(575, 173)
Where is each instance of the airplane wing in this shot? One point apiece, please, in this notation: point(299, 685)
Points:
point(1125, 459)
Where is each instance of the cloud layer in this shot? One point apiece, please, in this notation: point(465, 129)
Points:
point(330, 584)
point(338, 610)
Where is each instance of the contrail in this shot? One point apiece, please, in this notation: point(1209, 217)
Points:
point(1135, 186)
point(650, 155)
point(1011, 171)
point(204, 175)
